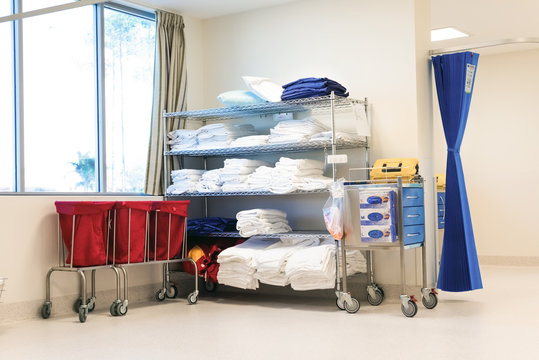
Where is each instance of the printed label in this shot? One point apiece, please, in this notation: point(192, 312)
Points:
point(470, 70)
point(338, 159)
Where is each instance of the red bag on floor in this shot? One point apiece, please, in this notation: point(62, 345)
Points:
point(129, 247)
point(165, 213)
point(90, 238)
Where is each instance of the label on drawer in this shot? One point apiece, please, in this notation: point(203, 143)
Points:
point(338, 159)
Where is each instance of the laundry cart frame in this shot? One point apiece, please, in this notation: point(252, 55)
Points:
point(375, 294)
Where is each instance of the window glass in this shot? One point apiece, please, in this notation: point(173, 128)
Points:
point(5, 7)
point(60, 101)
point(129, 59)
point(28, 5)
point(7, 134)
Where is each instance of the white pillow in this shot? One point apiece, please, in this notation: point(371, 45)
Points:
point(239, 98)
point(264, 87)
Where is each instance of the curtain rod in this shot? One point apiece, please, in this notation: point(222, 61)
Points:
point(73, 5)
point(520, 40)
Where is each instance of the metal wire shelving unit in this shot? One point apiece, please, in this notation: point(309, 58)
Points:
point(242, 193)
point(289, 235)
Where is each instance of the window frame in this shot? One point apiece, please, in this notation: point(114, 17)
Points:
point(100, 125)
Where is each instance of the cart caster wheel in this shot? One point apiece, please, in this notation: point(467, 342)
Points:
point(192, 298)
point(83, 314)
point(91, 304)
point(410, 310)
point(46, 310)
point(121, 309)
point(160, 295)
point(431, 302)
point(339, 303)
point(353, 307)
point(76, 305)
point(377, 300)
point(210, 286)
point(114, 308)
point(172, 292)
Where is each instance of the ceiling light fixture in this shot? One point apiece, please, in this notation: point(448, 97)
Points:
point(446, 34)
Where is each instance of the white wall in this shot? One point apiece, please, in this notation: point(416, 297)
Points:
point(368, 46)
point(498, 152)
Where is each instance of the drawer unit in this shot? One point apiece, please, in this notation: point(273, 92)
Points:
point(413, 215)
point(414, 234)
point(441, 209)
point(441, 222)
point(412, 196)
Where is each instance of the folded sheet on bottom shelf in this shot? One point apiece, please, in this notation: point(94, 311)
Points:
point(238, 265)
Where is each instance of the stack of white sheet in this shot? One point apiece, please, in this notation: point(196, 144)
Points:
point(253, 140)
point(342, 136)
point(261, 221)
point(234, 174)
point(182, 139)
point(298, 174)
point(271, 262)
point(260, 179)
point(184, 180)
point(355, 262)
point(237, 264)
point(215, 136)
point(210, 181)
point(295, 131)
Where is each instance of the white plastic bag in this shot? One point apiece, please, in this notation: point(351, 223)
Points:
point(333, 210)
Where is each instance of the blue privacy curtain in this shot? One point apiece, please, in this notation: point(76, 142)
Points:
point(459, 269)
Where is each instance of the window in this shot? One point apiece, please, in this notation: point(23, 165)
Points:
point(66, 97)
point(129, 58)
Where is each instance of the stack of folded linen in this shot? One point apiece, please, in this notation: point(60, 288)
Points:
point(210, 225)
point(310, 87)
point(355, 262)
point(261, 221)
point(271, 262)
point(215, 136)
point(234, 174)
point(184, 180)
point(253, 140)
point(312, 267)
point(295, 131)
point(210, 181)
point(298, 174)
point(237, 264)
point(342, 136)
point(182, 139)
point(260, 179)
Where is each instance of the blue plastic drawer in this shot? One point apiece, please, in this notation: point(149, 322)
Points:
point(412, 196)
point(413, 215)
point(441, 222)
point(414, 234)
point(441, 198)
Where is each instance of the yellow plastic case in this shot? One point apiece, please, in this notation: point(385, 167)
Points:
point(385, 169)
point(440, 182)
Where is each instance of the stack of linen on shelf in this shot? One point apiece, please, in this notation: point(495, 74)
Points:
point(260, 179)
point(311, 87)
point(235, 172)
point(298, 174)
point(182, 139)
point(261, 221)
point(339, 136)
point(271, 263)
point(184, 180)
point(237, 264)
point(295, 131)
point(252, 140)
point(209, 181)
point(216, 136)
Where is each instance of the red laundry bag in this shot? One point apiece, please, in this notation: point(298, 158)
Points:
point(129, 244)
point(90, 239)
point(162, 212)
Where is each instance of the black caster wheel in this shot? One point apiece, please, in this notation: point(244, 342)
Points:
point(410, 310)
point(121, 309)
point(114, 308)
point(172, 292)
point(192, 298)
point(377, 299)
point(46, 310)
point(91, 304)
point(160, 295)
point(76, 305)
point(431, 301)
point(339, 303)
point(353, 307)
point(83, 314)
point(210, 286)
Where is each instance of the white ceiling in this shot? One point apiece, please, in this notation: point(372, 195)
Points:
point(484, 20)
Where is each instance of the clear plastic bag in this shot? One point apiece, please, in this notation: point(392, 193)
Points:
point(333, 210)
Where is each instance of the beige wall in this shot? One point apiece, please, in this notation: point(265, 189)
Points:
point(498, 154)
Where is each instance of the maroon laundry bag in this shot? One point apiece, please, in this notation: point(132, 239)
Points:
point(89, 242)
point(129, 244)
point(162, 211)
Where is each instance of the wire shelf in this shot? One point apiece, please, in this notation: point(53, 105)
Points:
point(271, 148)
point(293, 234)
point(297, 105)
point(242, 193)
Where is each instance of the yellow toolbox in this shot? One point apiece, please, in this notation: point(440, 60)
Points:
point(440, 182)
point(389, 169)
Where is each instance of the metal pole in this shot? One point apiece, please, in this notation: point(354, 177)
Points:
point(165, 159)
point(401, 236)
point(129, 239)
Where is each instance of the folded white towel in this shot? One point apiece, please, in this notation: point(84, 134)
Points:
point(260, 213)
point(207, 187)
point(244, 162)
point(234, 187)
point(300, 164)
point(253, 140)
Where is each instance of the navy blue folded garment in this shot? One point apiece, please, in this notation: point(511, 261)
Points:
point(211, 224)
point(310, 93)
point(311, 87)
point(313, 82)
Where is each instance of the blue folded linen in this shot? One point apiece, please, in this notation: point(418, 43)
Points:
point(311, 87)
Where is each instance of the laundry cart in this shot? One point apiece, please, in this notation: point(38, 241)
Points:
point(84, 239)
point(382, 216)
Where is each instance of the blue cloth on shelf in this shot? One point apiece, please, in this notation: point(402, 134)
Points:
point(310, 87)
point(210, 225)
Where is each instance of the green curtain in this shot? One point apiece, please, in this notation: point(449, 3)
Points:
point(170, 83)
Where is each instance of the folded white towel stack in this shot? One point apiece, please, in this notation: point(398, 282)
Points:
point(182, 139)
point(184, 180)
point(261, 221)
point(342, 136)
point(295, 131)
point(253, 140)
point(215, 136)
point(298, 174)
